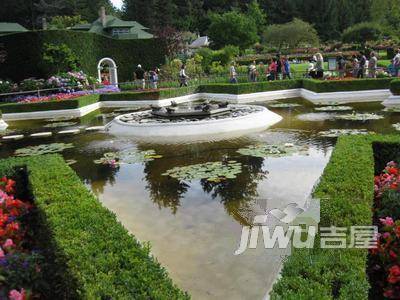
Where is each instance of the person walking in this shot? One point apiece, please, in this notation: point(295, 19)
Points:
point(341, 65)
point(233, 73)
point(253, 72)
point(154, 78)
point(272, 70)
point(396, 63)
point(286, 68)
point(139, 77)
point(183, 78)
point(362, 67)
point(279, 67)
point(372, 65)
point(319, 66)
point(355, 65)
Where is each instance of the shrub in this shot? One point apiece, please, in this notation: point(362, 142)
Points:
point(25, 53)
point(395, 87)
point(49, 105)
point(247, 88)
point(362, 33)
point(326, 86)
point(95, 256)
point(148, 95)
point(58, 58)
point(346, 192)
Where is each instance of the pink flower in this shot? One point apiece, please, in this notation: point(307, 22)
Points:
point(8, 243)
point(15, 295)
point(388, 221)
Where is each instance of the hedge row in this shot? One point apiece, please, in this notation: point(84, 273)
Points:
point(327, 86)
point(95, 256)
point(395, 87)
point(346, 192)
point(49, 105)
point(25, 53)
point(149, 95)
point(223, 88)
point(247, 88)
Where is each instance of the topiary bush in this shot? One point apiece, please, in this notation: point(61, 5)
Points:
point(330, 86)
point(395, 87)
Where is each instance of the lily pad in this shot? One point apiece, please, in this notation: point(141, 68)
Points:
point(283, 105)
point(210, 171)
point(339, 132)
point(359, 117)
point(71, 162)
point(316, 117)
point(333, 108)
point(127, 157)
point(60, 124)
point(43, 149)
point(268, 150)
point(392, 109)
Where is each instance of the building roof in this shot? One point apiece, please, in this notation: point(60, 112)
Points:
point(11, 27)
point(136, 30)
point(201, 41)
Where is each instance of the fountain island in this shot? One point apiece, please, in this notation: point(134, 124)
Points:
point(203, 122)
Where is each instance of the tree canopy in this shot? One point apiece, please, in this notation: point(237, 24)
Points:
point(291, 34)
point(232, 28)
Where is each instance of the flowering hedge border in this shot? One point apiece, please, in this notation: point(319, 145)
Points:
point(49, 105)
point(346, 192)
point(96, 257)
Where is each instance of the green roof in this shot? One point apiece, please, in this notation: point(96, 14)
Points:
point(136, 30)
point(11, 27)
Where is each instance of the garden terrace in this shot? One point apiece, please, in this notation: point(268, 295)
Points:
point(346, 192)
point(95, 257)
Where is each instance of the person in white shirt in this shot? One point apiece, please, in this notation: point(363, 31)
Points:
point(183, 77)
point(396, 63)
point(233, 74)
point(372, 65)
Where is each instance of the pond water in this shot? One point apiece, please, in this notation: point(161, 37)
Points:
point(194, 226)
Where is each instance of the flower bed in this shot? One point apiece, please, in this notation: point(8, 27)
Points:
point(384, 263)
point(20, 266)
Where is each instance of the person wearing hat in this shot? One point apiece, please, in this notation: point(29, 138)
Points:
point(139, 76)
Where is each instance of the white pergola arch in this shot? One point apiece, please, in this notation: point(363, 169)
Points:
point(112, 67)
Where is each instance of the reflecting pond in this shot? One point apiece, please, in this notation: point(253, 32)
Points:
point(194, 223)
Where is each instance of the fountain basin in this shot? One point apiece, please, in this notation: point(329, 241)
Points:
point(243, 119)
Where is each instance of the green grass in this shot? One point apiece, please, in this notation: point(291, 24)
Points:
point(346, 192)
point(95, 256)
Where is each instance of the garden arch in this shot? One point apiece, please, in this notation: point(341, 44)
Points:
point(108, 67)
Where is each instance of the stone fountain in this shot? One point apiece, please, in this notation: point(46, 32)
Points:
point(203, 122)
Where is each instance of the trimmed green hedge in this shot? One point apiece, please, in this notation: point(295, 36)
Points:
point(346, 191)
point(247, 88)
point(96, 257)
point(326, 86)
point(25, 51)
point(395, 87)
point(149, 95)
point(8, 108)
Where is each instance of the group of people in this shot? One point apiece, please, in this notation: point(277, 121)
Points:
point(141, 76)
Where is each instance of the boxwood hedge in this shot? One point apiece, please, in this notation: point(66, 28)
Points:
point(49, 105)
point(395, 87)
point(346, 192)
point(326, 86)
point(25, 53)
point(94, 255)
point(247, 88)
point(149, 95)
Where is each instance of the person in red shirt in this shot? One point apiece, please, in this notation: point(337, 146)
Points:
point(272, 71)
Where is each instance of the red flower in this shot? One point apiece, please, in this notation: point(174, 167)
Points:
point(394, 274)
